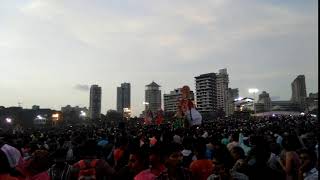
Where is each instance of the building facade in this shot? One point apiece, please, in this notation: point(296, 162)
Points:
point(123, 97)
point(284, 106)
point(95, 102)
point(265, 101)
point(299, 92)
point(206, 92)
point(153, 97)
point(232, 95)
point(171, 100)
point(222, 90)
point(312, 102)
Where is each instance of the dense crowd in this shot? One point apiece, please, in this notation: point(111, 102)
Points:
point(283, 147)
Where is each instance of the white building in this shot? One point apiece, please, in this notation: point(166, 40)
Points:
point(206, 97)
point(153, 97)
point(171, 100)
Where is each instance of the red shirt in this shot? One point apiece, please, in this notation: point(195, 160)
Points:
point(201, 169)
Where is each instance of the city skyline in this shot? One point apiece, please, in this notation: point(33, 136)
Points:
point(53, 51)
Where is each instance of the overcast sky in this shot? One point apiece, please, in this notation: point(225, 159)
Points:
point(51, 50)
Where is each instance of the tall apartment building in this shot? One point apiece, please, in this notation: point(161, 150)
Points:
point(171, 100)
point(95, 102)
point(299, 92)
point(153, 97)
point(123, 97)
point(265, 100)
point(232, 95)
point(206, 92)
point(222, 90)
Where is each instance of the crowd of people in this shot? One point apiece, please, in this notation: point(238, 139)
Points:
point(238, 147)
point(283, 147)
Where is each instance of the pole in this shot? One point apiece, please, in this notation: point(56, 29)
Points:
point(254, 104)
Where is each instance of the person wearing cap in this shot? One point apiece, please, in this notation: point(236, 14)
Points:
point(9, 158)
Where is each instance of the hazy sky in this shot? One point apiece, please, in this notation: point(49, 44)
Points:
point(51, 50)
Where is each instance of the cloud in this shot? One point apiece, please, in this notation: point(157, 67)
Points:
point(82, 87)
point(263, 44)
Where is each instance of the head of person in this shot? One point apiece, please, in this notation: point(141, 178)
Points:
point(39, 161)
point(308, 159)
point(185, 90)
point(221, 169)
point(137, 161)
point(237, 153)
point(123, 142)
point(235, 137)
point(175, 158)
point(4, 163)
point(187, 143)
point(200, 148)
point(10, 157)
point(291, 143)
point(155, 156)
point(59, 156)
point(88, 148)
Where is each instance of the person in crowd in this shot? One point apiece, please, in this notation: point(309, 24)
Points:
point(308, 170)
point(157, 166)
point(239, 159)
point(36, 167)
point(201, 168)
point(60, 169)
point(258, 161)
point(174, 165)
point(137, 163)
point(234, 141)
point(140, 151)
point(289, 157)
point(89, 167)
point(187, 152)
point(121, 154)
point(222, 171)
point(6, 165)
point(225, 139)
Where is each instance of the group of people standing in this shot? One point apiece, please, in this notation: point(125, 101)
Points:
point(233, 148)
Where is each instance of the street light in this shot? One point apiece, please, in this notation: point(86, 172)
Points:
point(9, 120)
point(83, 114)
point(254, 91)
point(146, 104)
point(40, 117)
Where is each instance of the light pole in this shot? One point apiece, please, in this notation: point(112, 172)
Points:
point(9, 120)
point(254, 91)
point(146, 108)
point(146, 104)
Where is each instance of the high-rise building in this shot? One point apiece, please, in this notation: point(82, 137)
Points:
point(299, 92)
point(265, 101)
point(222, 90)
point(153, 97)
point(312, 102)
point(171, 100)
point(95, 102)
point(206, 92)
point(123, 97)
point(232, 95)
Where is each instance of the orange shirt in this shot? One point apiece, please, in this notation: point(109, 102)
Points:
point(201, 169)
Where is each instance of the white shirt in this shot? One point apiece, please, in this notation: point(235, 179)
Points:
point(311, 175)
